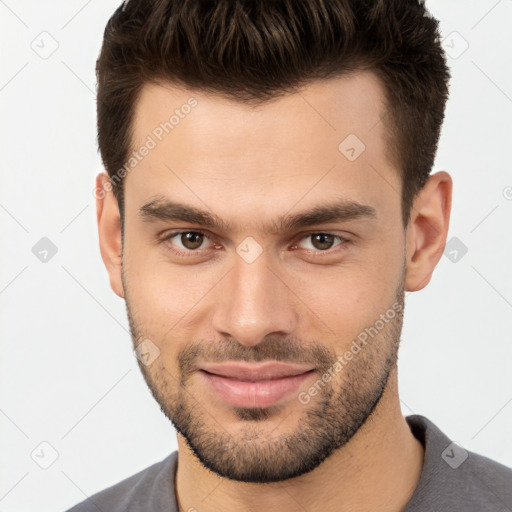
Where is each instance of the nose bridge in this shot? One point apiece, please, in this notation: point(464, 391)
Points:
point(253, 302)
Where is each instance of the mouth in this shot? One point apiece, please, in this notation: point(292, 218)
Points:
point(255, 373)
point(254, 386)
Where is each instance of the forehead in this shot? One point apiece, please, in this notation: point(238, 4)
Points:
point(350, 102)
point(206, 150)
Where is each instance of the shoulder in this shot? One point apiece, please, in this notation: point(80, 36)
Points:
point(487, 482)
point(455, 477)
point(150, 489)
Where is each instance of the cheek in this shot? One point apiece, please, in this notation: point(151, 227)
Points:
point(347, 304)
point(161, 305)
point(165, 297)
point(352, 296)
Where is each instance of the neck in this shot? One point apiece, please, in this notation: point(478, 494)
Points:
point(378, 469)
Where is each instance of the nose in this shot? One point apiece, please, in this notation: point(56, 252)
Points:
point(253, 302)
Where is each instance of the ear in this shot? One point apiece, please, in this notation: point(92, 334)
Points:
point(427, 230)
point(109, 231)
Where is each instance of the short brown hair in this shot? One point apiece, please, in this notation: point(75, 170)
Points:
point(256, 50)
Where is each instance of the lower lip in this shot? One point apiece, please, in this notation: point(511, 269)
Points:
point(262, 393)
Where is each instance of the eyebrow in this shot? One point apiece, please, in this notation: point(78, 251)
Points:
point(163, 209)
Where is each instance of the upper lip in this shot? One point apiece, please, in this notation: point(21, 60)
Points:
point(246, 371)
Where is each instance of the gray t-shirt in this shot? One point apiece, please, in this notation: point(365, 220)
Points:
point(452, 479)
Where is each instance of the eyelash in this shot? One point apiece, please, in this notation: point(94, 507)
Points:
point(191, 253)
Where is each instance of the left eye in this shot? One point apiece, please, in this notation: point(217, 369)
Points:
point(323, 241)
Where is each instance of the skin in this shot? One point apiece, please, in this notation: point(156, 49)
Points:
point(297, 301)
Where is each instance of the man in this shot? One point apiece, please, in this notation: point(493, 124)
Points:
point(268, 202)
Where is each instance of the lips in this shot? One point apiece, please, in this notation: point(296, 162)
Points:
point(253, 386)
point(254, 373)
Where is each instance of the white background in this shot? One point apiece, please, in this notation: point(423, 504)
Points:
point(68, 374)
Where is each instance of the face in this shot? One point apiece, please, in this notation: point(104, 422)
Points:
point(258, 235)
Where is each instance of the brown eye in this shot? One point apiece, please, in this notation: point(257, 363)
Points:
point(189, 243)
point(322, 241)
point(191, 239)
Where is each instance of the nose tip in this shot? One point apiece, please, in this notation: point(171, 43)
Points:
point(253, 303)
point(250, 322)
